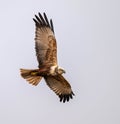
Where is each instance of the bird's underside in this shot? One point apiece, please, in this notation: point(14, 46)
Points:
point(46, 52)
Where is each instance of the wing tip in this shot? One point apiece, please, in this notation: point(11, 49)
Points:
point(66, 97)
point(42, 20)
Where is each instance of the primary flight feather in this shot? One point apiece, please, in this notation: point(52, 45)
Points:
point(46, 52)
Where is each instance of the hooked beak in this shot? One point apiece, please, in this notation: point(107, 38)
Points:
point(64, 71)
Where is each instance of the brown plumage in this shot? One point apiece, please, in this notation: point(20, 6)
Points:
point(46, 52)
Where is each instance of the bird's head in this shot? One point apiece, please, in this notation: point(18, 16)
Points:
point(59, 70)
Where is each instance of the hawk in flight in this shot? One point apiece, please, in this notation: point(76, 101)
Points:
point(46, 52)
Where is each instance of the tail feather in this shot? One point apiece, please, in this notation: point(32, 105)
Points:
point(31, 76)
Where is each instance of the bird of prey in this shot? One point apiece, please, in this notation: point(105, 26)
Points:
point(46, 52)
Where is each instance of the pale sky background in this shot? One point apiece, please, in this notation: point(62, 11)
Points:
point(88, 37)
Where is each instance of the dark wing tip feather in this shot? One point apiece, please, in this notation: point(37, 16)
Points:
point(51, 25)
point(42, 21)
point(46, 19)
point(36, 22)
point(66, 97)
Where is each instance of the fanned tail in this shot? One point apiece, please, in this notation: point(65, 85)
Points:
point(31, 76)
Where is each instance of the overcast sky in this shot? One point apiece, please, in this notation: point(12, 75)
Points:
point(88, 39)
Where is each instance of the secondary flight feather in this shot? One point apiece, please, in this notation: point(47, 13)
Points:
point(48, 68)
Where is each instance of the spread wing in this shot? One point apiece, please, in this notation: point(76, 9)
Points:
point(60, 86)
point(45, 42)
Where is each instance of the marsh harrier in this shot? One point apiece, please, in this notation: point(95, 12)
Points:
point(46, 52)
